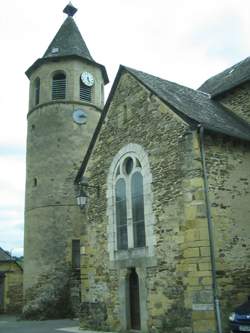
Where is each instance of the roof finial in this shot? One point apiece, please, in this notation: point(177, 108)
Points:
point(70, 9)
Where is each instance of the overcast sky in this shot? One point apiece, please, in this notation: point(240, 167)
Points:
point(181, 41)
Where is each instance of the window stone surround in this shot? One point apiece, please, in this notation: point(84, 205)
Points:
point(136, 150)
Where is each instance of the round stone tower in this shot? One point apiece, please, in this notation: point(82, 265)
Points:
point(65, 102)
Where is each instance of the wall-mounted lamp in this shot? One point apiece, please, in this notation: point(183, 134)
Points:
point(82, 196)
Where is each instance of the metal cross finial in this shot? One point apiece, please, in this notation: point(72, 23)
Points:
point(70, 9)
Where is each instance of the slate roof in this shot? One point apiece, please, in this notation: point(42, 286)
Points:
point(193, 106)
point(228, 79)
point(68, 42)
point(5, 256)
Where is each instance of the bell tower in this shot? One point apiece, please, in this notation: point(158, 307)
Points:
point(65, 103)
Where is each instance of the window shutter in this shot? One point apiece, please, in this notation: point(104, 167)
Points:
point(85, 92)
point(59, 86)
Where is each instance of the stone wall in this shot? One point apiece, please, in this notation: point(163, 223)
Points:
point(238, 101)
point(13, 287)
point(136, 116)
point(56, 145)
point(228, 163)
point(196, 263)
point(176, 281)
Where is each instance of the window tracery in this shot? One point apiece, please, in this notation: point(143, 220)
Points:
point(129, 208)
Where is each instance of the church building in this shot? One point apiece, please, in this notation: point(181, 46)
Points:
point(166, 244)
point(163, 233)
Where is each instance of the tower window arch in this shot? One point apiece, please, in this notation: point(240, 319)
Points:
point(37, 91)
point(129, 206)
point(58, 86)
point(85, 92)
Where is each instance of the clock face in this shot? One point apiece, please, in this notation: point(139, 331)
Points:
point(88, 79)
point(80, 117)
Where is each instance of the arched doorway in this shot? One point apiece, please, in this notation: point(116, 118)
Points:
point(134, 301)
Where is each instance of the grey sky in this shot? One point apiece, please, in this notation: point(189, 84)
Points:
point(181, 41)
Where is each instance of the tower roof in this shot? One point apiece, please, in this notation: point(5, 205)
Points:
point(68, 41)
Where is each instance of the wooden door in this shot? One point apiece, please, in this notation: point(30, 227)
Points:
point(134, 300)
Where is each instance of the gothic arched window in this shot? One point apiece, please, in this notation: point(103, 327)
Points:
point(58, 86)
point(129, 204)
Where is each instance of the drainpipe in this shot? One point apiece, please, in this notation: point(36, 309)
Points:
point(210, 231)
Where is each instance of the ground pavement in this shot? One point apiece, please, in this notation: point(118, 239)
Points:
point(10, 324)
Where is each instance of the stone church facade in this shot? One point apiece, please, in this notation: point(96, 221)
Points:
point(172, 165)
point(164, 236)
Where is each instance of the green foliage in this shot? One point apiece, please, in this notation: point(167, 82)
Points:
point(52, 300)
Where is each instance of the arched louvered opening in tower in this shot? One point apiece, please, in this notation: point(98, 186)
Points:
point(85, 92)
point(37, 91)
point(58, 86)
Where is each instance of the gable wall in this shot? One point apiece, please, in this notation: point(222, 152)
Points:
point(228, 162)
point(135, 116)
point(238, 101)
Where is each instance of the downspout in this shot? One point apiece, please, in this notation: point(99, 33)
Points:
point(210, 231)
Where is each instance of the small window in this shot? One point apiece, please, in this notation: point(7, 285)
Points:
point(37, 91)
point(85, 92)
point(35, 182)
point(76, 254)
point(59, 86)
